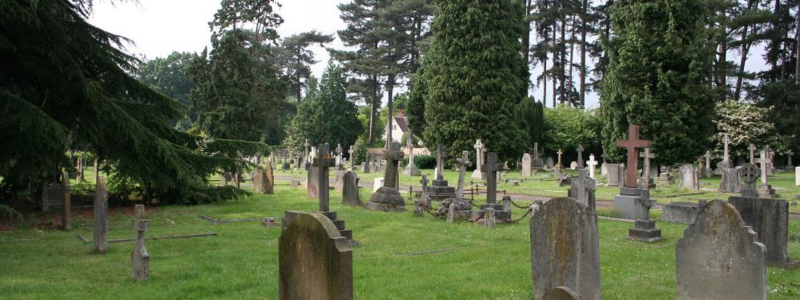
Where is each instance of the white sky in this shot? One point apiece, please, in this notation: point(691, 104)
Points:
point(159, 27)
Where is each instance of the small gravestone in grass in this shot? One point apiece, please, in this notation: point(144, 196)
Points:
point(526, 165)
point(100, 228)
point(387, 198)
point(350, 194)
point(315, 260)
point(565, 249)
point(688, 179)
point(140, 259)
point(719, 257)
point(613, 174)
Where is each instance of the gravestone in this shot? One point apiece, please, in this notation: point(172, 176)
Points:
point(613, 176)
point(261, 182)
point(322, 164)
point(439, 187)
point(664, 179)
point(411, 168)
point(285, 165)
point(100, 229)
point(688, 179)
point(681, 212)
point(489, 218)
point(549, 164)
point(339, 157)
point(573, 165)
point(140, 259)
point(769, 218)
point(315, 260)
point(387, 198)
point(559, 165)
point(537, 161)
point(350, 194)
point(479, 159)
point(789, 155)
point(592, 165)
point(66, 202)
point(270, 179)
point(632, 202)
point(580, 156)
point(707, 170)
point(312, 182)
point(452, 213)
point(463, 163)
point(646, 182)
point(765, 190)
point(492, 169)
point(560, 293)
point(582, 189)
point(565, 249)
point(377, 183)
point(726, 161)
point(752, 148)
point(526, 165)
point(730, 182)
point(720, 258)
point(338, 183)
point(79, 168)
point(423, 202)
point(352, 153)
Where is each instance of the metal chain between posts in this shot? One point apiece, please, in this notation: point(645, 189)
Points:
point(520, 218)
point(517, 205)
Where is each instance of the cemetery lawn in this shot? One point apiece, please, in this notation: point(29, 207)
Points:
point(402, 257)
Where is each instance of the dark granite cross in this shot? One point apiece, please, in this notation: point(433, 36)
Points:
point(632, 144)
point(322, 163)
point(441, 155)
point(393, 156)
point(580, 156)
point(491, 167)
point(750, 175)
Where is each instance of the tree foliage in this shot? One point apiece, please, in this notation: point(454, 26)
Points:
point(658, 78)
point(566, 128)
point(476, 77)
point(64, 84)
point(744, 124)
point(167, 75)
point(295, 58)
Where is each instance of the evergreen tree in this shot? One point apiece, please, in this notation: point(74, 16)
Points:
point(295, 57)
point(658, 78)
point(476, 77)
point(167, 75)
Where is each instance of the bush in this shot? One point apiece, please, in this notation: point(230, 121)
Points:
point(424, 161)
point(10, 214)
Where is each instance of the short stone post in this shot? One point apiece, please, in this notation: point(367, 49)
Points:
point(100, 228)
point(140, 259)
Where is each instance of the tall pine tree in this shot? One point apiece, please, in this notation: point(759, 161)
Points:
point(475, 77)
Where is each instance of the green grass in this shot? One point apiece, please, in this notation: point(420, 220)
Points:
point(241, 263)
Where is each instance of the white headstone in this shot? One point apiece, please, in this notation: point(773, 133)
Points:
point(377, 184)
point(526, 165)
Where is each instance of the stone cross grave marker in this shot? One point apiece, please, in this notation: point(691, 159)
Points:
point(322, 164)
point(765, 190)
point(719, 257)
point(725, 155)
point(339, 157)
point(352, 152)
point(387, 197)
point(441, 155)
point(479, 156)
point(580, 156)
point(305, 163)
point(463, 163)
point(491, 168)
point(100, 228)
point(393, 156)
point(582, 189)
point(140, 259)
point(752, 149)
point(315, 261)
point(750, 174)
point(559, 165)
point(411, 168)
point(538, 163)
point(592, 165)
point(565, 249)
point(707, 171)
point(789, 154)
point(647, 155)
point(632, 144)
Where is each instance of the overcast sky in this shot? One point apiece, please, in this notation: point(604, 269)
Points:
point(159, 27)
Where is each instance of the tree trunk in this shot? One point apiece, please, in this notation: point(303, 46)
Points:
point(544, 77)
point(722, 72)
point(745, 49)
point(526, 38)
point(563, 56)
point(583, 54)
point(554, 42)
point(373, 110)
point(390, 89)
point(797, 48)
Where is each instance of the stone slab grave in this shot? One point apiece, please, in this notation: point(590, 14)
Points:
point(614, 176)
point(688, 179)
point(719, 257)
point(492, 169)
point(267, 221)
point(350, 195)
point(315, 260)
point(633, 202)
point(565, 249)
point(730, 183)
point(140, 259)
point(769, 218)
point(439, 188)
point(681, 212)
point(387, 197)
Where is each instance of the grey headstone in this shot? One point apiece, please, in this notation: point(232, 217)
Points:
point(719, 257)
point(565, 249)
point(730, 182)
point(312, 182)
point(613, 175)
point(350, 189)
point(387, 198)
point(582, 189)
point(100, 228)
point(549, 163)
point(315, 260)
point(338, 184)
point(688, 178)
point(680, 212)
point(769, 218)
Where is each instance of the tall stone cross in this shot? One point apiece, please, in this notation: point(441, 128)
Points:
point(491, 167)
point(752, 149)
point(708, 160)
point(339, 152)
point(393, 156)
point(305, 155)
point(592, 165)
point(463, 163)
point(647, 155)
point(789, 154)
point(479, 152)
point(726, 141)
point(632, 144)
point(352, 152)
point(322, 163)
point(535, 150)
point(140, 260)
point(764, 167)
point(559, 165)
point(410, 146)
point(424, 183)
point(441, 155)
point(580, 156)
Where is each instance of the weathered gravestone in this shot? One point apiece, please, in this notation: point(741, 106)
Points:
point(646, 182)
point(730, 182)
point(765, 190)
point(688, 178)
point(580, 163)
point(350, 194)
point(681, 212)
point(634, 203)
point(323, 163)
point(411, 168)
point(582, 189)
point(613, 176)
point(439, 187)
point(315, 260)
point(261, 182)
point(140, 259)
point(789, 154)
point(338, 183)
point(526, 165)
point(462, 163)
point(312, 182)
point(707, 170)
point(549, 164)
point(387, 198)
point(565, 249)
point(100, 228)
point(537, 161)
point(491, 168)
point(720, 258)
point(769, 218)
point(479, 160)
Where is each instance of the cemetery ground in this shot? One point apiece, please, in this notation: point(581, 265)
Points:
point(401, 257)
